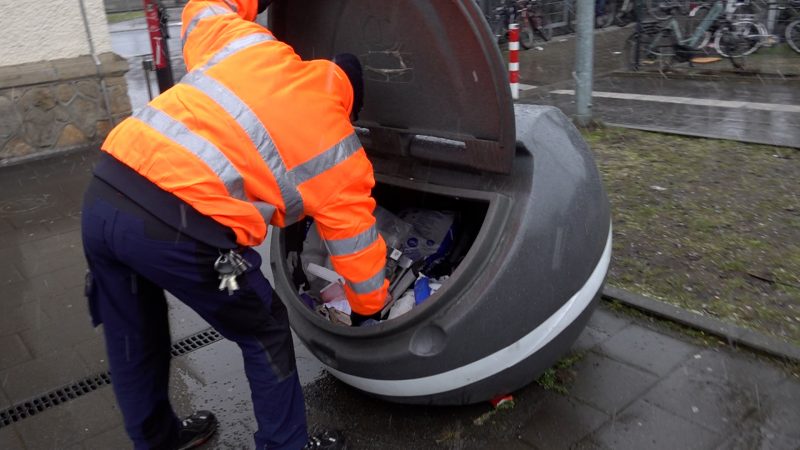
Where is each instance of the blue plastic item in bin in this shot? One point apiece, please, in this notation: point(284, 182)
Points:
point(422, 289)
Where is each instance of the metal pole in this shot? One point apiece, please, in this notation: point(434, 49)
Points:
point(583, 61)
point(97, 63)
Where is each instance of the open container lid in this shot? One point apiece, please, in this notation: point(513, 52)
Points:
point(436, 86)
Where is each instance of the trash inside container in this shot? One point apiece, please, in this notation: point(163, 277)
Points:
point(439, 125)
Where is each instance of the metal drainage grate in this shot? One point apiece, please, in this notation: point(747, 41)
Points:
point(53, 398)
point(195, 342)
point(82, 387)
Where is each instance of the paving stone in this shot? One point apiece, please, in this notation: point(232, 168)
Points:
point(716, 389)
point(588, 339)
point(70, 302)
point(12, 351)
point(35, 262)
point(647, 349)
point(42, 374)
point(15, 318)
point(561, 421)
point(183, 321)
point(4, 401)
point(69, 423)
point(45, 286)
point(111, 439)
point(60, 334)
point(9, 438)
point(93, 354)
point(607, 322)
point(760, 438)
point(780, 410)
point(227, 396)
point(607, 384)
point(216, 362)
point(644, 425)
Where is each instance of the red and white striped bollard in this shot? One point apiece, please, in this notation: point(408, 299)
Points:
point(513, 59)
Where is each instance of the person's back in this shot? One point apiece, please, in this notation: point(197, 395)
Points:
point(251, 136)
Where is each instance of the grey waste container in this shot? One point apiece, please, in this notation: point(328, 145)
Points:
point(442, 131)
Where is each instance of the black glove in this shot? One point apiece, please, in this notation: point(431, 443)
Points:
point(350, 64)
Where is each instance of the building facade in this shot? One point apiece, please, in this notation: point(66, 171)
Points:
point(61, 87)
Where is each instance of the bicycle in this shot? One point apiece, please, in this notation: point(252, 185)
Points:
point(532, 23)
point(734, 35)
point(530, 18)
point(792, 31)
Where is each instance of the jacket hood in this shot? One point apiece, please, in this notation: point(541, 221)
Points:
point(247, 9)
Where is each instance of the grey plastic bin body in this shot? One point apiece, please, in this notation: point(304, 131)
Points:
point(439, 123)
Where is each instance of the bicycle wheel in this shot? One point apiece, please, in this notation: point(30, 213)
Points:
point(654, 48)
point(658, 9)
point(738, 39)
point(793, 35)
point(527, 38)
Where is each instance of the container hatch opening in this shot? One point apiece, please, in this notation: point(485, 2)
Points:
point(432, 74)
point(427, 235)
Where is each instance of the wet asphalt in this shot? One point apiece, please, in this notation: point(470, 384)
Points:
point(636, 383)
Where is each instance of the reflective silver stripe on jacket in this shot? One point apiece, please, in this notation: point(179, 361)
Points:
point(202, 148)
point(371, 285)
point(258, 134)
point(325, 160)
point(202, 14)
point(236, 46)
point(355, 244)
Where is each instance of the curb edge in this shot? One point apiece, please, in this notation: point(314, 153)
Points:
point(734, 334)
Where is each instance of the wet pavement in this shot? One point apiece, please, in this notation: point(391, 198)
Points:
point(748, 109)
point(636, 383)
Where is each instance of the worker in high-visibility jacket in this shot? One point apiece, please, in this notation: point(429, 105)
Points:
point(251, 136)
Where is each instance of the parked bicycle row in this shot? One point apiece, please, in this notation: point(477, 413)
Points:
point(707, 31)
point(671, 30)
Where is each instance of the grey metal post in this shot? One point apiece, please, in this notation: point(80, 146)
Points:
point(584, 60)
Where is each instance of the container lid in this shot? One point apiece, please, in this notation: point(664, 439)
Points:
point(436, 86)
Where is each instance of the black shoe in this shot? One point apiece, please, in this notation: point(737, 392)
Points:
point(196, 429)
point(326, 440)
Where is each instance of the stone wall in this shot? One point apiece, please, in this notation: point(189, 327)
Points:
point(55, 106)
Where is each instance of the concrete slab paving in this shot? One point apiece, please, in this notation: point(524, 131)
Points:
point(612, 385)
point(9, 438)
point(40, 375)
point(70, 423)
point(644, 425)
point(646, 349)
point(560, 422)
point(714, 390)
point(13, 351)
point(589, 339)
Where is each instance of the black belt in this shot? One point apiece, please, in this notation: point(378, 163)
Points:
point(165, 206)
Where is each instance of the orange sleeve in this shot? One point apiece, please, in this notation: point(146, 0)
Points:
point(358, 253)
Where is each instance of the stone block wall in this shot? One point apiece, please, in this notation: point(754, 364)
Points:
point(56, 106)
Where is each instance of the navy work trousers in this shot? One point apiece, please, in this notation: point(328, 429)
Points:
point(133, 257)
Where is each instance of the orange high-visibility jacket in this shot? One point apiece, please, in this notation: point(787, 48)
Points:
point(253, 135)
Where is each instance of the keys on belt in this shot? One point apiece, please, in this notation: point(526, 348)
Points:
point(229, 266)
